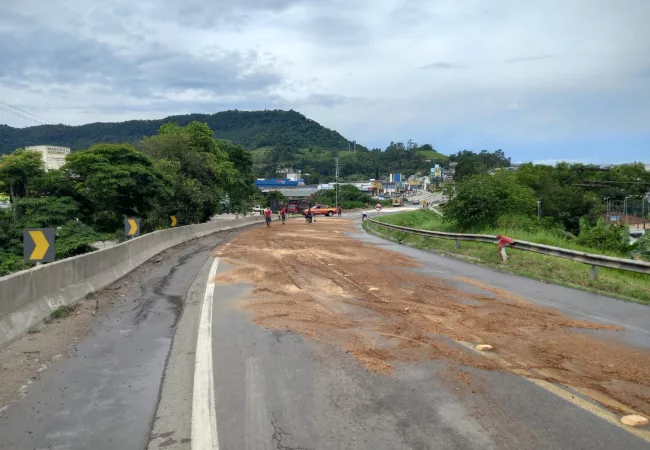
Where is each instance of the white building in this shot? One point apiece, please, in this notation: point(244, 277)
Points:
point(54, 157)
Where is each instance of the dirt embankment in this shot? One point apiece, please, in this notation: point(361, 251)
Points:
point(316, 281)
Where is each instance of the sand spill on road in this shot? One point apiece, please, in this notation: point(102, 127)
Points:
point(366, 300)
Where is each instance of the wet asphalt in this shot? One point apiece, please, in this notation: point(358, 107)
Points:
point(279, 390)
point(103, 396)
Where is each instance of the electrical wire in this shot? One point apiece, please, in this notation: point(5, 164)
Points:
point(22, 116)
point(35, 118)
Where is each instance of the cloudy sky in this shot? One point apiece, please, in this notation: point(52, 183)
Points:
point(546, 80)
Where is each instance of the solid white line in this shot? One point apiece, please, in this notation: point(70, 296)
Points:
point(204, 414)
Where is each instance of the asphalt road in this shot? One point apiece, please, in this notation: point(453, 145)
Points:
point(103, 395)
point(276, 389)
point(132, 383)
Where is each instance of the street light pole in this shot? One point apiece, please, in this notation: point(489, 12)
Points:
point(336, 187)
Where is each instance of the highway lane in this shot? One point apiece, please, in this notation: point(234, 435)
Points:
point(283, 377)
point(312, 345)
point(103, 393)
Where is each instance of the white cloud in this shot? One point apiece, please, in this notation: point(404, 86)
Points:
point(506, 69)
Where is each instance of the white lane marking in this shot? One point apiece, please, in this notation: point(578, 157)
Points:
point(204, 414)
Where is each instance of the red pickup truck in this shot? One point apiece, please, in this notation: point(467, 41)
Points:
point(321, 210)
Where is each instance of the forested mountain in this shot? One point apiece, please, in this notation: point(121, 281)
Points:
point(252, 129)
point(276, 139)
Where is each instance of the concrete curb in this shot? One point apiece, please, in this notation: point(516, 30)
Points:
point(29, 296)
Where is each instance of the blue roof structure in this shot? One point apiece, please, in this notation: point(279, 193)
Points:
point(277, 182)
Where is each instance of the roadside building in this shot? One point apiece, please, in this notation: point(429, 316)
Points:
point(53, 157)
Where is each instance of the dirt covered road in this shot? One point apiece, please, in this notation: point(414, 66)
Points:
point(373, 303)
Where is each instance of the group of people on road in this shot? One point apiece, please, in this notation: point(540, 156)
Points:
point(309, 216)
point(282, 214)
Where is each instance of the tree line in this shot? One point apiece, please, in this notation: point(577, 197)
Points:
point(318, 164)
point(252, 129)
point(568, 200)
point(182, 171)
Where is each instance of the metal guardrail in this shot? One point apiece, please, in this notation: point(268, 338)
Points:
point(591, 259)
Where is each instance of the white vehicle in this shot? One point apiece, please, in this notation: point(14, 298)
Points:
point(257, 209)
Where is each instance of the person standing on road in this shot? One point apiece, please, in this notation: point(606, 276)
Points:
point(283, 214)
point(339, 210)
point(267, 216)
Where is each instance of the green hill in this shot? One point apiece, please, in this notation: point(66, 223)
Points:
point(252, 129)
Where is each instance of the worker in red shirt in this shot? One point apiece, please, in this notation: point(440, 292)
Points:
point(283, 214)
point(267, 215)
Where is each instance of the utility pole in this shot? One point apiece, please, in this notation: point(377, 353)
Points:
point(348, 146)
point(355, 145)
point(539, 209)
point(336, 187)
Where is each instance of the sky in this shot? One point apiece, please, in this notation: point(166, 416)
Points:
point(544, 81)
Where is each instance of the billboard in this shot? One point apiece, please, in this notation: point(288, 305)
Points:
point(398, 178)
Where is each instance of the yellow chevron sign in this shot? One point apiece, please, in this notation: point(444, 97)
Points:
point(132, 227)
point(174, 221)
point(41, 245)
point(38, 244)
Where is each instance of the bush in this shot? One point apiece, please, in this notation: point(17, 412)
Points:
point(604, 236)
point(352, 205)
point(11, 263)
point(480, 200)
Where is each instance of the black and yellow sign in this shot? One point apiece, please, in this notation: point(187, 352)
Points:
point(174, 221)
point(38, 244)
point(132, 227)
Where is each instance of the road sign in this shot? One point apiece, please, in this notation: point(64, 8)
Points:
point(132, 227)
point(174, 221)
point(378, 207)
point(38, 244)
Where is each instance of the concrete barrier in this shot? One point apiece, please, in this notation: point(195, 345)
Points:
point(29, 296)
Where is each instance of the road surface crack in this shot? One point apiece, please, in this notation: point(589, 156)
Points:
point(279, 434)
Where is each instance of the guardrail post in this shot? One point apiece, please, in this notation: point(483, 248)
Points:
point(594, 272)
point(457, 244)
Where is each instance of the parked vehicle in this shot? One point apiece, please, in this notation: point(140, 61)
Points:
point(257, 209)
point(398, 201)
point(321, 210)
point(292, 209)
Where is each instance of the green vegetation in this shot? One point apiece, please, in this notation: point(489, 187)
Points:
point(181, 171)
point(318, 162)
point(469, 163)
point(252, 129)
point(62, 312)
point(275, 139)
point(626, 285)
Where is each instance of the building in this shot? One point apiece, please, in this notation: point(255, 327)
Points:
point(292, 174)
point(53, 157)
point(278, 183)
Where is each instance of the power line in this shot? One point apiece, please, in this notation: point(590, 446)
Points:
point(27, 112)
point(22, 116)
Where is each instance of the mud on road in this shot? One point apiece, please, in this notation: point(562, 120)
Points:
point(368, 301)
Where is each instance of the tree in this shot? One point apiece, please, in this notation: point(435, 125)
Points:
point(242, 190)
point(113, 181)
point(480, 200)
point(17, 170)
point(199, 170)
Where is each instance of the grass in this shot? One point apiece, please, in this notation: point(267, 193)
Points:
point(621, 284)
point(431, 154)
point(62, 312)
